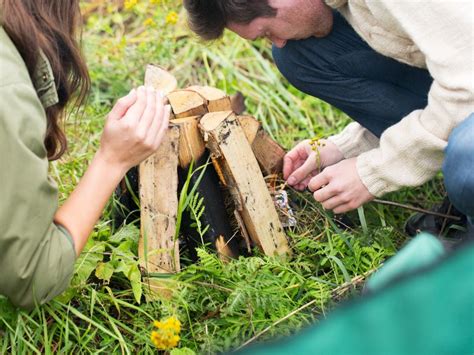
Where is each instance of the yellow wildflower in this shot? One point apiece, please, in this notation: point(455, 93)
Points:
point(167, 335)
point(171, 18)
point(155, 1)
point(149, 22)
point(128, 4)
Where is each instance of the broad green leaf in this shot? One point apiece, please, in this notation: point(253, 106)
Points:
point(104, 271)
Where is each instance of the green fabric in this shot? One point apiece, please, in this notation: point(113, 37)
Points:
point(430, 312)
point(422, 251)
point(36, 257)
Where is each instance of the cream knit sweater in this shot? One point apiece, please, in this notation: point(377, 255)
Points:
point(434, 34)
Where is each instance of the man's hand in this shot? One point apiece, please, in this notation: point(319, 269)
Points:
point(301, 163)
point(339, 187)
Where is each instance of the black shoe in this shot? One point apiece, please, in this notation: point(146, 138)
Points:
point(438, 226)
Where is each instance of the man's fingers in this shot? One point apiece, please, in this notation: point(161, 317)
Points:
point(303, 171)
point(318, 181)
point(287, 166)
point(332, 203)
point(122, 105)
point(343, 208)
point(324, 194)
point(294, 158)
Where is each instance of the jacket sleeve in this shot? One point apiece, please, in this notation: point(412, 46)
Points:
point(36, 256)
point(411, 151)
point(354, 140)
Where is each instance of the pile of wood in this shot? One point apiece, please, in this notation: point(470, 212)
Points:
point(236, 153)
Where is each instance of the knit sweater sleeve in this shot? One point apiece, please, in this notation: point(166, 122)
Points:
point(411, 152)
point(354, 140)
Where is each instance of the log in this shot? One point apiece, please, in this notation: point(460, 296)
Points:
point(127, 210)
point(191, 144)
point(216, 99)
point(237, 101)
point(250, 126)
point(269, 153)
point(158, 250)
point(160, 79)
point(187, 103)
point(227, 139)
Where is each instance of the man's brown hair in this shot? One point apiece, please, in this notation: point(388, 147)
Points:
point(209, 18)
point(50, 26)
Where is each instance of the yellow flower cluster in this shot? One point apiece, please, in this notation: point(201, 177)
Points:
point(167, 334)
point(128, 4)
point(172, 18)
point(149, 22)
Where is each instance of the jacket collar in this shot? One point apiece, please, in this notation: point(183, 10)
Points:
point(43, 81)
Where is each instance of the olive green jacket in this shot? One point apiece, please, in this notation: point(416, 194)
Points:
point(36, 256)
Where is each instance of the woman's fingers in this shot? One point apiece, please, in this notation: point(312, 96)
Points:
point(122, 105)
point(163, 127)
point(157, 119)
point(148, 116)
point(134, 113)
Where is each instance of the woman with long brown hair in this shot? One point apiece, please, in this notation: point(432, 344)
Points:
point(41, 73)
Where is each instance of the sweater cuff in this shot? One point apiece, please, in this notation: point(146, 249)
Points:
point(371, 176)
point(354, 140)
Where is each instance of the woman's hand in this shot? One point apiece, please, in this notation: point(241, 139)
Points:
point(134, 128)
point(301, 163)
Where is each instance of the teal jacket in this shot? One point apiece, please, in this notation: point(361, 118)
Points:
point(36, 256)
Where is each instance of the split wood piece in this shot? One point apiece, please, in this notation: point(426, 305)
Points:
point(158, 249)
point(227, 139)
point(187, 103)
point(250, 126)
point(216, 99)
point(191, 144)
point(269, 153)
point(237, 101)
point(160, 79)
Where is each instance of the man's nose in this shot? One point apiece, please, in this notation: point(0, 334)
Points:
point(278, 42)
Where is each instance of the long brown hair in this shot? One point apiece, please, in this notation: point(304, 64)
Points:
point(50, 26)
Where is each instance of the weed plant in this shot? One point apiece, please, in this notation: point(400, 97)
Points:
point(220, 306)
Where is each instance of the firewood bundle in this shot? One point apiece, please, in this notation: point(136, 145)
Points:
point(229, 155)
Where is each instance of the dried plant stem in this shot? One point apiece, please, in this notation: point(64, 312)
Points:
point(276, 323)
point(416, 209)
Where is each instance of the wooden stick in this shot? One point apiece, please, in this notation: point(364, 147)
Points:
point(269, 153)
point(191, 144)
point(227, 139)
point(216, 99)
point(160, 79)
point(187, 103)
point(416, 209)
point(158, 250)
point(250, 126)
point(276, 323)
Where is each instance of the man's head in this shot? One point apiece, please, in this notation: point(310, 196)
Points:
point(278, 20)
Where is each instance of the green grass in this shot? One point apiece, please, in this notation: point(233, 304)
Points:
point(221, 306)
